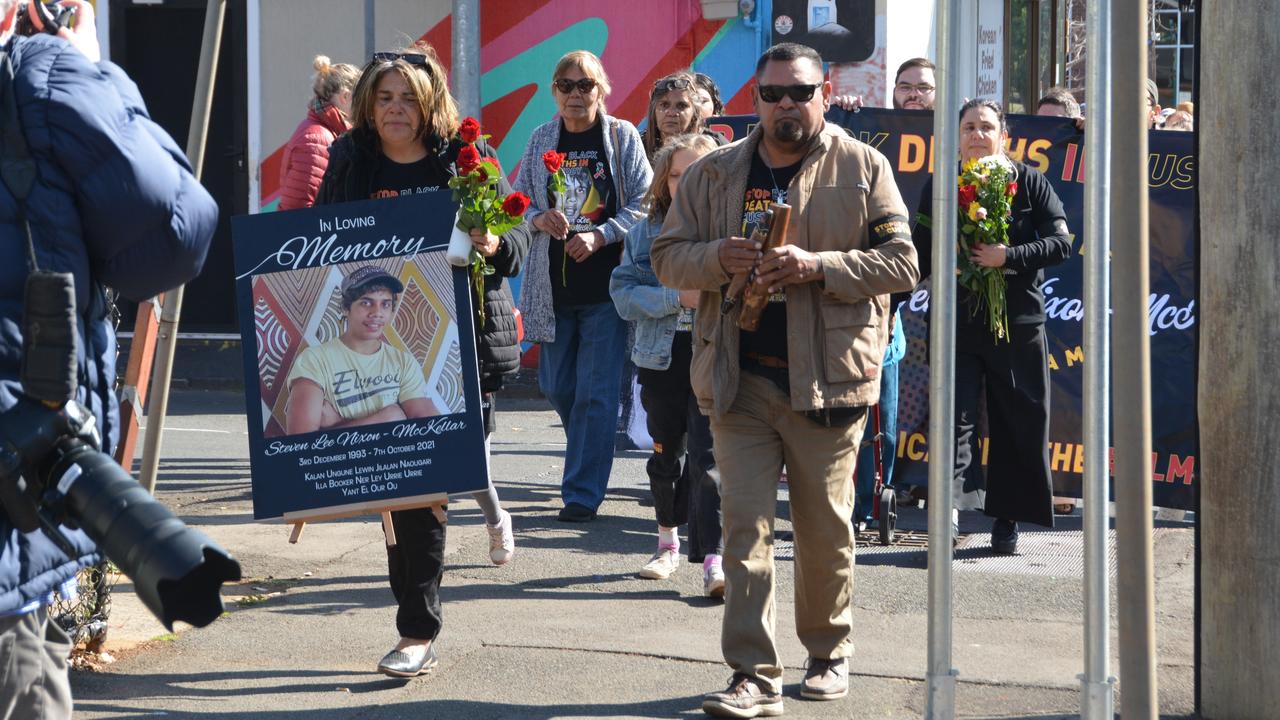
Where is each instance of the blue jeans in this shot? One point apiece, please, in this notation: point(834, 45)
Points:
point(866, 471)
point(581, 374)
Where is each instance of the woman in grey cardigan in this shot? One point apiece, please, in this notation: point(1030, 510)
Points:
point(577, 242)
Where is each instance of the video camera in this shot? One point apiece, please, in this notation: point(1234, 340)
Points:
point(52, 473)
point(50, 17)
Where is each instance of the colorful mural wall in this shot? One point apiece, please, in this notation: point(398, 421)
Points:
point(639, 42)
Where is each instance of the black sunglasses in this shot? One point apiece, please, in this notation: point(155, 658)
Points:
point(798, 93)
point(666, 84)
point(566, 86)
point(414, 59)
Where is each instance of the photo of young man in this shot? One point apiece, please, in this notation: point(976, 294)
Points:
point(357, 378)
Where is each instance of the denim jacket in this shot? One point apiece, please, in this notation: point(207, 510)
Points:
point(641, 299)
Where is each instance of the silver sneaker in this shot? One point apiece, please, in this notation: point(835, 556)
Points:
point(410, 662)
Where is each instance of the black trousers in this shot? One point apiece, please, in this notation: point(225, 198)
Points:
point(682, 468)
point(416, 565)
point(1015, 374)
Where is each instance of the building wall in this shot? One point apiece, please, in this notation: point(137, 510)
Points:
point(638, 42)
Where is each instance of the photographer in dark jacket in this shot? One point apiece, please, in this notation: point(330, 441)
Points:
point(404, 141)
point(114, 204)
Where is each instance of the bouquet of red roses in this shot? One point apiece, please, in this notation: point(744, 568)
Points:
point(475, 189)
point(987, 187)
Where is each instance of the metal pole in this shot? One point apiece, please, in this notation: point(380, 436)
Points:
point(1135, 585)
point(941, 701)
point(1097, 700)
point(466, 56)
point(215, 12)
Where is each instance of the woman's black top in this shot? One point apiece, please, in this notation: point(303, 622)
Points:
point(1038, 238)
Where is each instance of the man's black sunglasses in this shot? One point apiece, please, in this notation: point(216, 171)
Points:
point(584, 85)
point(798, 93)
point(414, 59)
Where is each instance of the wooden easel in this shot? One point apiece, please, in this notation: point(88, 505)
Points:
point(436, 502)
point(137, 377)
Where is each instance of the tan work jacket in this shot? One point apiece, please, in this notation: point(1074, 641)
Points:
point(836, 329)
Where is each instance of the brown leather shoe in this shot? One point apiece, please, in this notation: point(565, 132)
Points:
point(825, 679)
point(746, 697)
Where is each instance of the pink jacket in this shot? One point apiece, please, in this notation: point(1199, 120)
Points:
point(307, 155)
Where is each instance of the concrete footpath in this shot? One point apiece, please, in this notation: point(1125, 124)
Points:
point(567, 630)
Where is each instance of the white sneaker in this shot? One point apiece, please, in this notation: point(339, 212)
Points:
point(662, 564)
point(713, 578)
point(502, 544)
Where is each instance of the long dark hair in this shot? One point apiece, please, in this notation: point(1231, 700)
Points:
point(652, 138)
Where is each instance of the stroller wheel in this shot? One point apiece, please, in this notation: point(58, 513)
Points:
point(888, 515)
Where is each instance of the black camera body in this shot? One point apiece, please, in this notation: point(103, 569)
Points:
point(52, 473)
point(51, 16)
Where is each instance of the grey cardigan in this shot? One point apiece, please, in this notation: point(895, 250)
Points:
point(631, 175)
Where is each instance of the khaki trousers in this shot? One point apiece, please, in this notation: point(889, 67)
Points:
point(752, 441)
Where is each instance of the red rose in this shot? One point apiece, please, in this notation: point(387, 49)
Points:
point(516, 204)
point(968, 194)
point(468, 159)
point(1012, 188)
point(553, 160)
point(469, 130)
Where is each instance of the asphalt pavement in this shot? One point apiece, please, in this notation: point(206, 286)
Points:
point(567, 629)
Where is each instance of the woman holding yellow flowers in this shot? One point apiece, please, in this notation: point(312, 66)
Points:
point(1011, 226)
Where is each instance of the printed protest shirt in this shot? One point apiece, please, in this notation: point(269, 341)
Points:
point(590, 201)
point(769, 341)
point(358, 385)
point(393, 179)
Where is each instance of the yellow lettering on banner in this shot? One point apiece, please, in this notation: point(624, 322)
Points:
point(1060, 456)
point(1035, 154)
point(1053, 363)
point(1075, 355)
point(1079, 463)
point(1016, 148)
point(911, 153)
point(985, 444)
point(913, 446)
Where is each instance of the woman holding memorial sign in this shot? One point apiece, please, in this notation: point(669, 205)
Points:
point(406, 138)
point(587, 174)
point(1011, 226)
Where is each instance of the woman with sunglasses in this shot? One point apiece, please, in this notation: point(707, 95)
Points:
point(576, 245)
point(404, 140)
point(674, 109)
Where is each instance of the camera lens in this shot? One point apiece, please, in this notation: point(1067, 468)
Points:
point(177, 572)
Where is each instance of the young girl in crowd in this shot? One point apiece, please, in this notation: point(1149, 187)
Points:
point(682, 473)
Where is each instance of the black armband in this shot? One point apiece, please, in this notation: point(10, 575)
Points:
point(889, 227)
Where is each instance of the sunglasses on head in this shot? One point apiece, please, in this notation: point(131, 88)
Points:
point(414, 59)
point(798, 93)
point(566, 86)
point(666, 84)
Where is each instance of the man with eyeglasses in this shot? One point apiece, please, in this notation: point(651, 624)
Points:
point(797, 389)
point(913, 85)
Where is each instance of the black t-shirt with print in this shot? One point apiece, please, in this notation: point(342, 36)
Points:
point(765, 350)
point(590, 201)
point(393, 179)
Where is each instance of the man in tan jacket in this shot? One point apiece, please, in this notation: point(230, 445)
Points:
point(795, 391)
